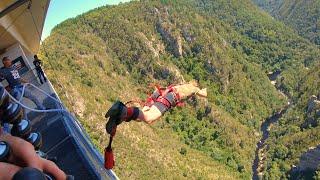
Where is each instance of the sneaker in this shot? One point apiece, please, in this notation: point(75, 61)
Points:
point(116, 110)
point(114, 114)
point(111, 124)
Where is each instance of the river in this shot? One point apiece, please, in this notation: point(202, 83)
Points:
point(260, 153)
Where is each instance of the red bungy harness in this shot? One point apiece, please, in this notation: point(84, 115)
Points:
point(109, 161)
point(159, 94)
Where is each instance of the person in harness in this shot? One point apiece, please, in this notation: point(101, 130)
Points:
point(160, 101)
point(37, 63)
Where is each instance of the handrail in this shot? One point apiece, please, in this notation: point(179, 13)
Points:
point(86, 137)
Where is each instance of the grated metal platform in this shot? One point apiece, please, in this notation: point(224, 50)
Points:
point(65, 139)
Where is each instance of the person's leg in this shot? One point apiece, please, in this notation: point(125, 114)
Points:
point(39, 76)
point(149, 114)
point(119, 113)
point(7, 171)
point(17, 93)
point(28, 94)
point(43, 76)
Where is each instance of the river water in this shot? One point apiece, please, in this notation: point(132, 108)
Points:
point(258, 163)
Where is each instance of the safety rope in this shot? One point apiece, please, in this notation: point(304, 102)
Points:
point(32, 109)
point(26, 84)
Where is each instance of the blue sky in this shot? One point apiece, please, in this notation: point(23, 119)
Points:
point(60, 10)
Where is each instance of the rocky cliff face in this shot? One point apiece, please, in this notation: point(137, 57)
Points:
point(168, 33)
point(156, 48)
point(174, 42)
point(308, 162)
point(312, 113)
point(313, 104)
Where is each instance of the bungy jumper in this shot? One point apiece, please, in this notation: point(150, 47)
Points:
point(160, 101)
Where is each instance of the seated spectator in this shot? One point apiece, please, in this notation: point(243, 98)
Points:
point(11, 74)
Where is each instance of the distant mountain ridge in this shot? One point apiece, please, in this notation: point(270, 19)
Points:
point(301, 15)
point(115, 52)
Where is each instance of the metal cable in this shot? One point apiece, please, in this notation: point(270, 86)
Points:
point(35, 110)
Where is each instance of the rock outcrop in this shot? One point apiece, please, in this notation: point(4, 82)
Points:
point(187, 35)
point(169, 72)
point(154, 47)
point(174, 42)
point(210, 67)
point(171, 38)
point(310, 160)
point(313, 105)
point(312, 113)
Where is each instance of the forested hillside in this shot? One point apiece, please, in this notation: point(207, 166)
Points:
point(116, 52)
point(301, 15)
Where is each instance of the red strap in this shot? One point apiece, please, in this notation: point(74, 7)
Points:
point(176, 94)
point(164, 101)
point(108, 158)
point(174, 90)
point(108, 154)
point(150, 100)
point(129, 113)
point(162, 93)
point(180, 104)
point(113, 133)
point(160, 90)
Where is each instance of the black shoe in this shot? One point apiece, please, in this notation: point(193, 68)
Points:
point(114, 115)
point(115, 110)
point(111, 124)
